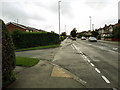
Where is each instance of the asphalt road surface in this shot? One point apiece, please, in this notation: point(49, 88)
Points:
point(96, 63)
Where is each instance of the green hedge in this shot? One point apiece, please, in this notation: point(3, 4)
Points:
point(8, 56)
point(108, 36)
point(33, 39)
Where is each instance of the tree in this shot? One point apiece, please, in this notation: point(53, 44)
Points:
point(8, 56)
point(63, 34)
point(95, 33)
point(73, 32)
point(116, 32)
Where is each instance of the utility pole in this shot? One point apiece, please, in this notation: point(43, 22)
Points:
point(93, 27)
point(90, 22)
point(59, 14)
point(17, 21)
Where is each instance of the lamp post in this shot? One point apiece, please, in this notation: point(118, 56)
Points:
point(90, 22)
point(93, 27)
point(59, 14)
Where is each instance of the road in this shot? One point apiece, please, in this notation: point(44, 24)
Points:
point(96, 63)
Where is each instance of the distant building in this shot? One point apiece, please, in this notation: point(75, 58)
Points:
point(13, 26)
point(106, 30)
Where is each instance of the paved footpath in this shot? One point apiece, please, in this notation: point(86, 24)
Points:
point(45, 75)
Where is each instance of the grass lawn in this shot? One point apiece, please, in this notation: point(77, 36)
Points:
point(40, 47)
point(26, 62)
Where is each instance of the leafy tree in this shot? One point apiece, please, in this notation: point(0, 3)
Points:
point(73, 32)
point(8, 56)
point(116, 32)
point(95, 33)
point(63, 34)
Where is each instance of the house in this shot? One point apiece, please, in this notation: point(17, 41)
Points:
point(106, 30)
point(13, 26)
point(89, 32)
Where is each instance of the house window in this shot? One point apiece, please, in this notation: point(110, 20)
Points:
point(27, 30)
point(31, 31)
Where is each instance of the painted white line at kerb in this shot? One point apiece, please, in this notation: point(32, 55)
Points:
point(97, 70)
point(75, 46)
point(72, 47)
point(106, 80)
point(92, 64)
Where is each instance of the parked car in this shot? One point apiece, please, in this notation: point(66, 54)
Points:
point(92, 39)
point(74, 38)
point(83, 38)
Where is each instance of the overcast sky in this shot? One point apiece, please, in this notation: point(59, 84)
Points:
point(43, 14)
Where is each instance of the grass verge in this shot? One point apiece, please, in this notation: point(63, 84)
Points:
point(26, 62)
point(40, 47)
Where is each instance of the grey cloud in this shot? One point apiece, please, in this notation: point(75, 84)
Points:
point(97, 4)
point(13, 10)
point(66, 9)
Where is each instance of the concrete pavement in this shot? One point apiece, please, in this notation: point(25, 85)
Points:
point(45, 75)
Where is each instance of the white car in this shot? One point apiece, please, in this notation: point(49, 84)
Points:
point(92, 39)
point(74, 38)
point(83, 38)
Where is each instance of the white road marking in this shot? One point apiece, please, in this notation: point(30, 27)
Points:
point(92, 64)
point(85, 57)
point(72, 47)
point(80, 52)
point(115, 48)
point(114, 89)
point(89, 44)
point(75, 47)
point(88, 60)
point(106, 80)
point(104, 48)
point(97, 70)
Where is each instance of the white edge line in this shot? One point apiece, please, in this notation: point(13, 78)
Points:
point(72, 47)
point(92, 64)
point(106, 80)
point(75, 46)
point(88, 60)
point(97, 70)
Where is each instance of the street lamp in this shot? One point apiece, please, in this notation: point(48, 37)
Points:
point(90, 22)
point(93, 27)
point(59, 14)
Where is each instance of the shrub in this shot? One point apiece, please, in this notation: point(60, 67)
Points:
point(108, 36)
point(34, 39)
point(62, 38)
point(116, 32)
point(8, 56)
point(99, 37)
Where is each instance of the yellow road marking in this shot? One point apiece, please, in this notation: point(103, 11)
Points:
point(58, 72)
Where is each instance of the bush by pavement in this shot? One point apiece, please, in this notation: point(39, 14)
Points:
point(8, 56)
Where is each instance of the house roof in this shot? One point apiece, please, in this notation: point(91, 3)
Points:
point(24, 27)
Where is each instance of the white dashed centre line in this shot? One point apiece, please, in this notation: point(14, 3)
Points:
point(85, 58)
point(106, 80)
point(97, 70)
point(92, 64)
point(88, 60)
